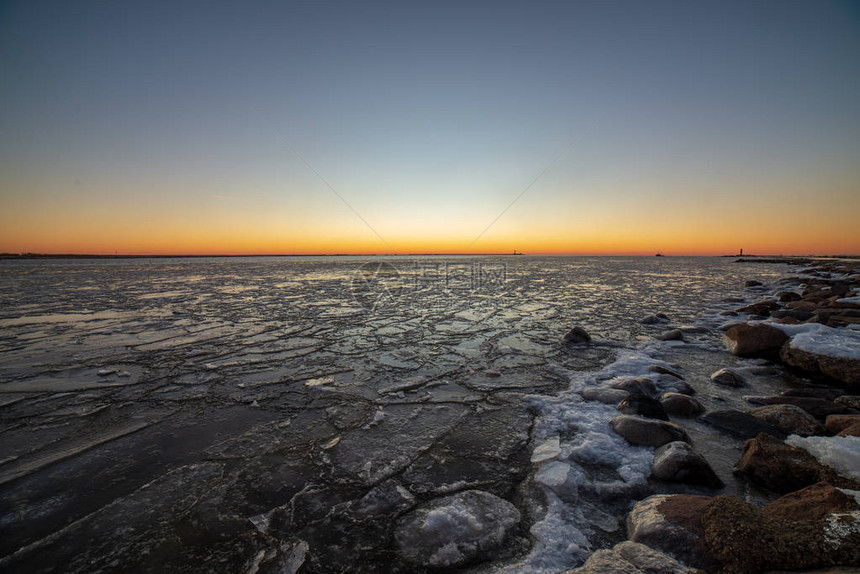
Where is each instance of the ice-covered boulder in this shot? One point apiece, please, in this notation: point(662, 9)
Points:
point(832, 352)
point(634, 385)
point(456, 530)
point(678, 462)
point(646, 432)
point(783, 467)
point(789, 419)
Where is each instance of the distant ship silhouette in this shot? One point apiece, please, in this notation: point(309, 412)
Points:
point(658, 255)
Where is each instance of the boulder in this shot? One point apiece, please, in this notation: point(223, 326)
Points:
point(837, 423)
point(729, 378)
point(789, 419)
point(634, 385)
point(646, 432)
point(633, 558)
point(746, 540)
point(681, 405)
point(811, 503)
point(604, 395)
point(748, 340)
point(787, 296)
point(826, 393)
point(643, 405)
point(762, 308)
point(672, 524)
point(671, 335)
point(678, 462)
point(753, 283)
point(819, 408)
point(829, 351)
point(456, 530)
point(850, 430)
point(850, 401)
point(576, 335)
point(739, 424)
point(655, 318)
point(782, 468)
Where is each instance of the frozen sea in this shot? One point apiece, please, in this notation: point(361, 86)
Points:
point(270, 414)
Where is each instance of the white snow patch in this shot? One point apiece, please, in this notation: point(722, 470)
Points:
point(841, 453)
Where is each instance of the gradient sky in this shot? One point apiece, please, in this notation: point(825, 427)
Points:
point(689, 127)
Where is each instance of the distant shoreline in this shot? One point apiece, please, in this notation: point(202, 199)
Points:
point(741, 259)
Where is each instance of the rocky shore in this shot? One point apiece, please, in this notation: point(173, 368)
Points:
point(802, 444)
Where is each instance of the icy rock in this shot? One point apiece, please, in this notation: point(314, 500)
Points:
point(838, 452)
point(784, 468)
point(811, 503)
point(789, 419)
point(832, 352)
point(680, 405)
point(678, 462)
point(456, 530)
point(644, 432)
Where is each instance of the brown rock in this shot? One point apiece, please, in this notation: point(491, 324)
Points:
point(748, 541)
point(837, 423)
point(681, 405)
point(678, 462)
point(604, 395)
point(673, 524)
point(811, 503)
point(729, 378)
point(787, 296)
point(748, 340)
point(761, 308)
point(842, 367)
point(790, 419)
point(851, 430)
point(850, 401)
point(819, 408)
point(647, 432)
point(808, 306)
point(771, 463)
point(576, 335)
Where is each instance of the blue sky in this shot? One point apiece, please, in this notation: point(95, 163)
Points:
point(428, 118)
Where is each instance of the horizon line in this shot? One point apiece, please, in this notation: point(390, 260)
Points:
point(34, 255)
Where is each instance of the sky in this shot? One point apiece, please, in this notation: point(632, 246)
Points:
point(608, 127)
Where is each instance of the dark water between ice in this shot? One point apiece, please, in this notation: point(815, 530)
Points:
point(290, 388)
